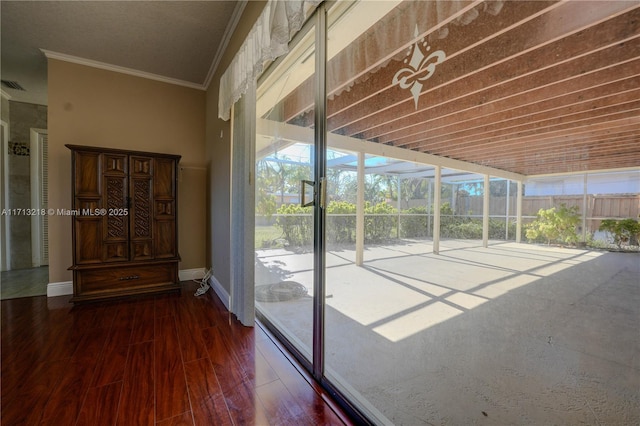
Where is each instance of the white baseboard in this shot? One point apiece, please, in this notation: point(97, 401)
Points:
point(220, 292)
point(64, 288)
point(191, 274)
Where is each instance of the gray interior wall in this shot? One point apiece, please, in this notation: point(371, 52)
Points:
point(218, 146)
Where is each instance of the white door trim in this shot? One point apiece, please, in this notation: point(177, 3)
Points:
point(5, 244)
point(35, 153)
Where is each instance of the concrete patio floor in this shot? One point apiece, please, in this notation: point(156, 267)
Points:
point(509, 334)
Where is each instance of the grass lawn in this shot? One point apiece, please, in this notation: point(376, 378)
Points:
point(266, 236)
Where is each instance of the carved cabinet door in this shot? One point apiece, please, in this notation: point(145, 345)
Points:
point(124, 223)
point(115, 221)
point(141, 171)
point(164, 201)
point(87, 194)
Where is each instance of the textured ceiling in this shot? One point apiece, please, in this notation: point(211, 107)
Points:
point(176, 40)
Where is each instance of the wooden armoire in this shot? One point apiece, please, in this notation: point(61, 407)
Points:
point(125, 223)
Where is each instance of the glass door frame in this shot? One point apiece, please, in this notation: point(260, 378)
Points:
point(302, 358)
point(319, 211)
point(318, 23)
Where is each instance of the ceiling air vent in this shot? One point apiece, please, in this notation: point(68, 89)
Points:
point(13, 85)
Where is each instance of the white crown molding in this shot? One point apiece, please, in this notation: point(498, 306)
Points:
point(5, 95)
point(228, 32)
point(123, 70)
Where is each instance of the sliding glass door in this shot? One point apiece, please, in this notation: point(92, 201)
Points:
point(313, 204)
point(328, 201)
point(386, 143)
point(350, 269)
point(285, 196)
point(374, 59)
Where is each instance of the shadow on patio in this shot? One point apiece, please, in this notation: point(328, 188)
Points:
point(510, 334)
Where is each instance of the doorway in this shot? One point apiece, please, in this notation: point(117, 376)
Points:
point(24, 253)
point(5, 253)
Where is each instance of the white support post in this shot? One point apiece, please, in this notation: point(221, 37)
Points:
point(428, 206)
point(360, 212)
point(437, 191)
point(507, 211)
point(585, 206)
point(485, 212)
point(399, 204)
point(519, 213)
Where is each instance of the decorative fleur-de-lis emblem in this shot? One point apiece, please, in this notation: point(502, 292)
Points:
point(420, 68)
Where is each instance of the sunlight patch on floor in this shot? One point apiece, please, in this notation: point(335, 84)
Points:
point(406, 293)
point(467, 301)
point(504, 286)
point(417, 321)
point(394, 302)
point(368, 298)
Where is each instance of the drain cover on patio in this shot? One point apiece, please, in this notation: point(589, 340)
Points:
point(280, 292)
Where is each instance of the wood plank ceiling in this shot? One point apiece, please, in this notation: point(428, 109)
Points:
point(531, 87)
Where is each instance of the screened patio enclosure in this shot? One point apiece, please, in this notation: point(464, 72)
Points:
point(498, 89)
point(420, 314)
point(408, 189)
point(401, 149)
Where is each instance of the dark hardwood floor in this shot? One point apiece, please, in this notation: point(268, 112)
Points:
point(165, 360)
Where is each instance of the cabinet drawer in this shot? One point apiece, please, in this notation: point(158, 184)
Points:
point(124, 280)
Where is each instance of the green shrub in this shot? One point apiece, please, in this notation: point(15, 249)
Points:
point(497, 229)
point(296, 223)
point(555, 225)
point(471, 230)
point(341, 228)
point(446, 209)
point(380, 221)
point(414, 226)
point(624, 231)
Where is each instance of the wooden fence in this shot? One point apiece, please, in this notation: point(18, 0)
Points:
point(598, 206)
point(619, 206)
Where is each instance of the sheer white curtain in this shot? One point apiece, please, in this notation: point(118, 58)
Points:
point(268, 39)
point(242, 207)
